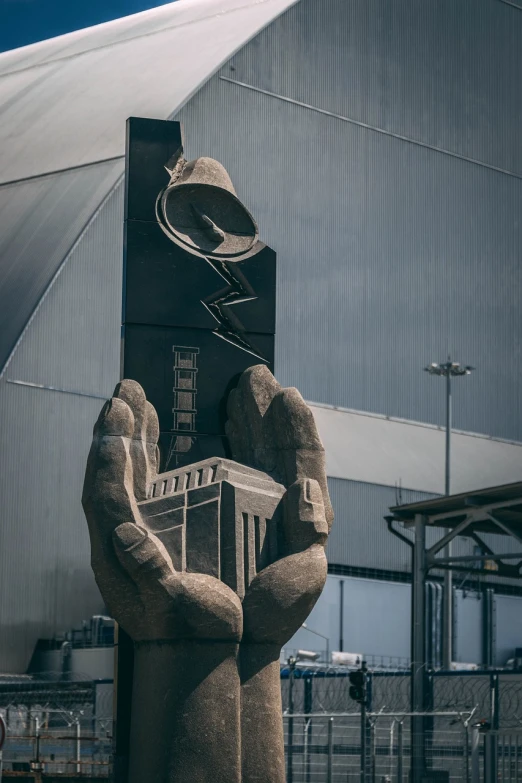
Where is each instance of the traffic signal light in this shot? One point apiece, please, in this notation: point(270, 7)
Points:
point(358, 686)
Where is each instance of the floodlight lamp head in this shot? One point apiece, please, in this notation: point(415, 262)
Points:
point(307, 655)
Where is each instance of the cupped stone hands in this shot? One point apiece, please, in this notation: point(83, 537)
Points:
point(269, 428)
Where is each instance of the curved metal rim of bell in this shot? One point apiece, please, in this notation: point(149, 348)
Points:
point(171, 230)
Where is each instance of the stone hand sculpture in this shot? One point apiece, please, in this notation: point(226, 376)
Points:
point(210, 570)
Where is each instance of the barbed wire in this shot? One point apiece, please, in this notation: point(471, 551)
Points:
point(325, 689)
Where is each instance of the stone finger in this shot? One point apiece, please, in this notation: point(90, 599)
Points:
point(290, 424)
point(141, 557)
point(305, 518)
point(108, 493)
point(247, 405)
point(144, 439)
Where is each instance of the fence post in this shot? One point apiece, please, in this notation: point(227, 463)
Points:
point(329, 774)
point(290, 742)
point(400, 751)
point(490, 740)
point(364, 722)
point(475, 754)
point(466, 750)
point(308, 708)
point(363, 742)
point(37, 739)
point(78, 747)
point(370, 726)
point(3, 734)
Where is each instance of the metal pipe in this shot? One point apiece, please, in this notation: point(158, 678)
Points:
point(329, 772)
point(475, 558)
point(389, 521)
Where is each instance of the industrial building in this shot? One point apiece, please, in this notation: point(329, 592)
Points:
point(376, 142)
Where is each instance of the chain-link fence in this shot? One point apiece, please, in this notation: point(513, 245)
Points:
point(56, 726)
point(322, 748)
point(471, 729)
point(63, 727)
point(495, 697)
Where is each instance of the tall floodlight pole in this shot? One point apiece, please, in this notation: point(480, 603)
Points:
point(448, 370)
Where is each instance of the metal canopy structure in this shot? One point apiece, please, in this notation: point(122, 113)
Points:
point(495, 510)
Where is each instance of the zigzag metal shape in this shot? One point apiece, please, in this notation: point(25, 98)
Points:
point(238, 290)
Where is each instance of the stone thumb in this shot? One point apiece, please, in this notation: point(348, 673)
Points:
point(141, 556)
point(305, 517)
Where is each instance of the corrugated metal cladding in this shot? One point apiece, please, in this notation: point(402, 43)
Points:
point(359, 536)
point(72, 343)
point(377, 144)
point(392, 248)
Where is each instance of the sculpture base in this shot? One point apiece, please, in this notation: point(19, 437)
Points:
point(185, 713)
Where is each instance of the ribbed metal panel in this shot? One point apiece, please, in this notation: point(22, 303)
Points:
point(360, 537)
point(41, 220)
point(376, 449)
point(441, 73)
point(390, 253)
point(46, 584)
point(397, 238)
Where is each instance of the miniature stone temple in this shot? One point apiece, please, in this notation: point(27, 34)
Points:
point(209, 567)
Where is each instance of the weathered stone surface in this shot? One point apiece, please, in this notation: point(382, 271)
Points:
point(273, 429)
point(186, 713)
point(227, 517)
point(210, 569)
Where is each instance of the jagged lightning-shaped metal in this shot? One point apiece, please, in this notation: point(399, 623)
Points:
point(238, 290)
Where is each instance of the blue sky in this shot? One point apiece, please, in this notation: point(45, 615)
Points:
point(26, 21)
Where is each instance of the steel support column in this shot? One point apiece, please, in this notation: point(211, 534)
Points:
point(418, 649)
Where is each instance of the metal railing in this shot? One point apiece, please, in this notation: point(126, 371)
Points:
point(471, 733)
point(504, 747)
point(61, 742)
point(330, 748)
